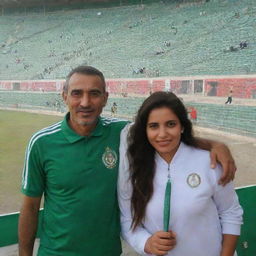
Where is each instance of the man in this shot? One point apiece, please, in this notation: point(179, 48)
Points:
point(230, 94)
point(74, 164)
point(114, 109)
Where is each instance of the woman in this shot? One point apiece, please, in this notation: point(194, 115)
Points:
point(205, 217)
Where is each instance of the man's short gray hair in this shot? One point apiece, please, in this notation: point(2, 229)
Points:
point(85, 70)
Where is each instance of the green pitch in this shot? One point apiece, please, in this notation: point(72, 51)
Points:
point(16, 128)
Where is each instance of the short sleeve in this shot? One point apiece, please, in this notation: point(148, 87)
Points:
point(33, 178)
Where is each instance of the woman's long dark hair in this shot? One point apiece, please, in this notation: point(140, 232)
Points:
point(141, 153)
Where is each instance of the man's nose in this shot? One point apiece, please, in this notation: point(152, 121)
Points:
point(85, 100)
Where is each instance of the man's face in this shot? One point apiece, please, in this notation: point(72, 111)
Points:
point(85, 99)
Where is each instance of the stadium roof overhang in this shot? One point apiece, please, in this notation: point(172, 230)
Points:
point(27, 3)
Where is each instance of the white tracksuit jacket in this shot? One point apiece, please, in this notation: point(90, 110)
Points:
point(201, 210)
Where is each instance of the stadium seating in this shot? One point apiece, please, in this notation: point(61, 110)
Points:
point(236, 119)
point(32, 100)
point(167, 38)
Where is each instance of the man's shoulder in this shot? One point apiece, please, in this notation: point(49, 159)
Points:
point(115, 123)
point(40, 135)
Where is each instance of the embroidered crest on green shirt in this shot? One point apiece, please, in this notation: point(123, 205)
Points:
point(109, 158)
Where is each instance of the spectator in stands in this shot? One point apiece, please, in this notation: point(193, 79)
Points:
point(167, 43)
point(159, 52)
point(142, 70)
point(114, 109)
point(139, 70)
point(230, 95)
point(170, 200)
point(232, 49)
point(174, 29)
point(237, 15)
point(74, 164)
point(193, 114)
point(203, 13)
point(25, 66)
point(243, 45)
point(136, 71)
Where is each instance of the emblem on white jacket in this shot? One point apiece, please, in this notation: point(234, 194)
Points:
point(193, 180)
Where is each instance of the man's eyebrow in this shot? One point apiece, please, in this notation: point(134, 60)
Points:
point(93, 90)
point(96, 90)
point(76, 90)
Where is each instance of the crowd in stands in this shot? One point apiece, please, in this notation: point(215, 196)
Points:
point(158, 39)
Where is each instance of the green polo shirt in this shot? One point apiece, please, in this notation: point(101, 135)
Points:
point(78, 176)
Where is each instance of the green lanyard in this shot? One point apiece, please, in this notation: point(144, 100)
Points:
point(167, 197)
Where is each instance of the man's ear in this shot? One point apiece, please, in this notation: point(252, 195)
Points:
point(64, 96)
point(106, 98)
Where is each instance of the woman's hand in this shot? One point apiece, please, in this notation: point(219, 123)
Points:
point(221, 153)
point(160, 243)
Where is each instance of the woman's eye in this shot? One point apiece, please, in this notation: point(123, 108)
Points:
point(152, 125)
point(171, 124)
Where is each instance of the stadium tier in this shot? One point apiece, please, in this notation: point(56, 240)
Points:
point(158, 38)
point(199, 49)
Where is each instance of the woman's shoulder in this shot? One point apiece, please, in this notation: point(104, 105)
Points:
point(193, 152)
point(200, 160)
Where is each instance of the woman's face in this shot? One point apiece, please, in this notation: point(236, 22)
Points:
point(163, 132)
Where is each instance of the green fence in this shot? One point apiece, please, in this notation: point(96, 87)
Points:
point(9, 228)
point(247, 242)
